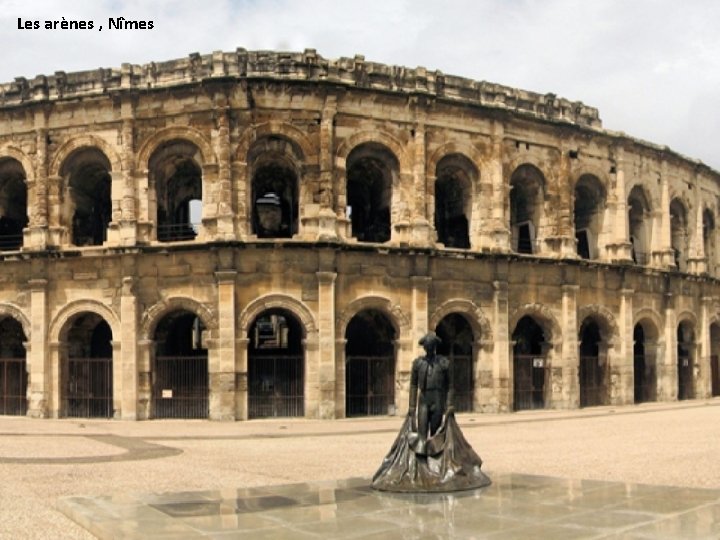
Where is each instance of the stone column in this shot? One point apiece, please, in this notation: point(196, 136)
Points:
point(327, 220)
point(662, 253)
point(500, 193)
point(422, 233)
point(697, 262)
point(565, 381)
point(222, 366)
point(340, 391)
point(56, 378)
point(128, 213)
point(667, 365)
point(502, 371)
point(483, 361)
point(38, 369)
point(703, 370)
point(128, 371)
point(619, 248)
point(622, 367)
point(241, 378)
point(326, 337)
point(35, 235)
point(407, 345)
point(145, 366)
point(221, 196)
point(565, 243)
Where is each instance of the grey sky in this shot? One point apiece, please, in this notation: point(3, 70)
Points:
point(652, 67)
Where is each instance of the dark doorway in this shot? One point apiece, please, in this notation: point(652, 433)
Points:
point(593, 391)
point(369, 365)
point(457, 345)
point(530, 368)
point(685, 360)
point(13, 368)
point(180, 378)
point(275, 366)
point(88, 380)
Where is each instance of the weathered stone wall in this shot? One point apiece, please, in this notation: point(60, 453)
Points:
point(231, 114)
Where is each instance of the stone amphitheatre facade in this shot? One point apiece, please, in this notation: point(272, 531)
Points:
point(253, 234)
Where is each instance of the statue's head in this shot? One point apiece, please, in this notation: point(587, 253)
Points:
point(430, 341)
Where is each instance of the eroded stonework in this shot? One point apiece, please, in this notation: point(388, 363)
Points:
point(255, 234)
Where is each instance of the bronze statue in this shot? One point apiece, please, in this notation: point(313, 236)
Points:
point(430, 452)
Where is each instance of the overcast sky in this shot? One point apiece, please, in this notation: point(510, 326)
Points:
point(652, 67)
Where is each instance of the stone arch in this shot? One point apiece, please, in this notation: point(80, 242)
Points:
point(649, 314)
point(277, 301)
point(468, 151)
point(59, 324)
point(79, 142)
point(544, 316)
point(282, 129)
point(605, 319)
point(156, 312)
point(514, 164)
point(172, 133)
point(13, 152)
point(14, 312)
point(688, 316)
point(378, 137)
point(479, 323)
point(652, 197)
point(397, 317)
point(586, 169)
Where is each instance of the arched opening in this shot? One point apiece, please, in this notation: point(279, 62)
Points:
point(526, 207)
point(275, 172)
point(588, 213)
point(13, 368)
point(679, 233)
point(87, 174)
point(453, 200)
point(639, 223)
point(87, 377)
point(276, 377)
point(369, 365)
point(530, 369)
point(593, 364)
point(13, 204)
point(645, 337)
point(686, 360)
point(371, 169)
point(176, 176)
point(709, 241)
point(457, 345)
point(180, 374)
point(715, 358)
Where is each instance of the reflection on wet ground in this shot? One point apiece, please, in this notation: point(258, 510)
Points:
point(514, 506)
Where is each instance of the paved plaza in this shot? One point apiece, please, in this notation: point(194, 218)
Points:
point(593, 473)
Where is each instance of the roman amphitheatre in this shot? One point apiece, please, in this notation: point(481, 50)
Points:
point(256, 234)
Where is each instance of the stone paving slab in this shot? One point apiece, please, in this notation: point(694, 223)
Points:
point(515, 506)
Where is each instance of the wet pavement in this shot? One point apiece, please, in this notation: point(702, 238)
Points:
point(515, 506)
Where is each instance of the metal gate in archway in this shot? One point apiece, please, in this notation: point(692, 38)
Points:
point(529, 374)
point(462, 367)
point(369, 385)
point(592, 382)
point(13, 386)
point(180, 387)
point(89, 388)
point(276, 386)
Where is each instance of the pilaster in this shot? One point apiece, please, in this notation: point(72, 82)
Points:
point(222, 363)
point(502, 372)
point(38, 368)
point(565, 384)
point(326, 337)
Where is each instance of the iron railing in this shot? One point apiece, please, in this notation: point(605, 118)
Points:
point(180, 387)
point(463, 376)
point(529, 373)
point(13, 386)
point(275, 386)
point(89, 388)
point(593, 391)
point(369, 384)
